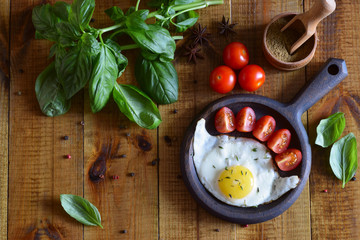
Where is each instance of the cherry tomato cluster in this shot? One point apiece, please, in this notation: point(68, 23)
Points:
point(236, 57)
point(262, 129)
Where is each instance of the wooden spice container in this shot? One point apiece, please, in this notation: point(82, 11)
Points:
point(276, 44)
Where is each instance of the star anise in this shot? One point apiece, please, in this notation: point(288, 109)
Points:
point(226, 28)
point(193, 52)
point(199, 35)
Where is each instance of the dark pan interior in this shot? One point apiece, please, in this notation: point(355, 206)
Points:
point(262, 106)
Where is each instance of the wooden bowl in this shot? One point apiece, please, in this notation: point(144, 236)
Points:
point(287, 66)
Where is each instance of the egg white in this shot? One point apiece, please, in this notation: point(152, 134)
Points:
point(212, 154)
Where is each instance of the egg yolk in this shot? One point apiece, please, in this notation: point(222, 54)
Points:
point(236, 182)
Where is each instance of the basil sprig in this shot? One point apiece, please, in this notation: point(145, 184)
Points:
point(81, 209)
point(330, 129)
point(343, 158)
point(83, 56)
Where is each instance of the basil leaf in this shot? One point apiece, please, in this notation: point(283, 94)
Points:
point(158, 79)
point(136, 106)
point(121, 60)
point(330, 129)
point(115, 13)
point(155, 40)
point(76, 66)
point(50, 94)
point(343, 158)
point(68, 34)
point(62, 10)
point(130, 11)
point(103, 78)
point(81, 13)
point(186, 20)
point(44, 21)
point(81, 209)
point(60, 53)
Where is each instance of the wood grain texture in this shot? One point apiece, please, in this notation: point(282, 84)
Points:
point(334, 214)
point(282, 86)
point(4, 114)
point(119, 147)
point(38, 171)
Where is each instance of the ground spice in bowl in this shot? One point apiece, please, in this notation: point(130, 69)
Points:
point(279, 42)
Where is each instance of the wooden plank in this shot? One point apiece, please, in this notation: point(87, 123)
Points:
point(252, 17)
point(128, 203)
point(334, 215)
point(180, 216)
point(4, 114)
point(38, 172)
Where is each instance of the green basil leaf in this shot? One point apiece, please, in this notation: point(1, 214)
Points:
point(186, 20)
point(62, 10)
point(68, 34)
point(121, 60)
point(76, 66)
point(330, 129)
point(136, 106)
point(157, 3)
point(130, 11)
point(60, 53)
point(103, 78)
point(50, 94)
point(154, 40)
point(343, 158)
point(44, 21)
point(81, 13)
point(38, 35)
point(158, 79)
point(81, 209)
point(116, 14)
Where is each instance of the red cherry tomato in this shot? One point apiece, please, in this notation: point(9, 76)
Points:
point(225, 120)
point(222, 79)
point(279, 141)
point(289, 159)
point(251, 77)
point(264, 127)
point(236, 55)
point(245, 120)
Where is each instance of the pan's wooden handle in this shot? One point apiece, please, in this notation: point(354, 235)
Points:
point(330, 75)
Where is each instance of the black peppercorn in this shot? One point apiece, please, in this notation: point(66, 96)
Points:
point(131, 174)
point(66, 137)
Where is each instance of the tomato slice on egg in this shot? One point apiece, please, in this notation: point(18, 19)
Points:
point(225, 120)
point(279, 140)
point(245, 120)
point(289, 159)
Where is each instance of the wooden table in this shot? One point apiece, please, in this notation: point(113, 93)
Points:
point(154, 204)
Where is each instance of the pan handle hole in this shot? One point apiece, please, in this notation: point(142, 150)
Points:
point(333, 69)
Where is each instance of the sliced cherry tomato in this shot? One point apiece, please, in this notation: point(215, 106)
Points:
point(251, 77)
point(236, 55)
point(245, 120)
point(289, 159)
point(225, 120)
point(222, 79)
point(279, 141)
point(264, 127)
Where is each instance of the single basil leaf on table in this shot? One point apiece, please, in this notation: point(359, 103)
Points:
point(330, 129)
point(121, 60)
point(154, 40)
point(76, 65)
point(103, 78)
point(81, 209)
point(81, 13)
point(136, 106)
point(186, 20)
point(343, 158)
point(50, 94)
point(44, 21)
point(62, 10)
point(158, 79)
point(115, 13)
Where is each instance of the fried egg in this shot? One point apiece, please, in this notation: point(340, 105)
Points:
point(238, 171)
